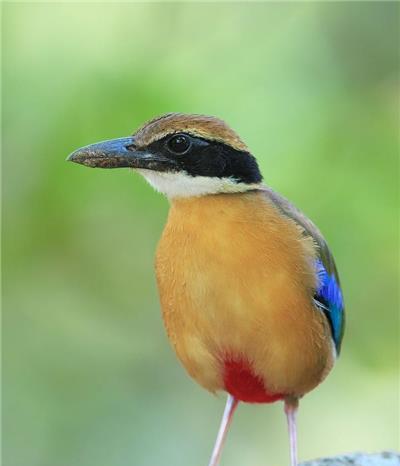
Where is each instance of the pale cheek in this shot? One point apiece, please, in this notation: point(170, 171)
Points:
point(183, 185)
point(177, 184)
point(154, 179)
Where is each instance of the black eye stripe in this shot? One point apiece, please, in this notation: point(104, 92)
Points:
point(197, 156)
point(179, 144)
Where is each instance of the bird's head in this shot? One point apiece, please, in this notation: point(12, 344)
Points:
point(181, 156)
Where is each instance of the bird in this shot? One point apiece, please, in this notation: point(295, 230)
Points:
point(249, 290)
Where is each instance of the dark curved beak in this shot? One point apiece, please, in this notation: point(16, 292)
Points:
point(118, 153)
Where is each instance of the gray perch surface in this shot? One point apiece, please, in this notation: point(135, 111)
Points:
point(385, 458)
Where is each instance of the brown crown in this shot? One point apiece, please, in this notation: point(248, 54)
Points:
point(206, 127)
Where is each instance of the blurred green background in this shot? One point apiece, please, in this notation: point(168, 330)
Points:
point(89, 376)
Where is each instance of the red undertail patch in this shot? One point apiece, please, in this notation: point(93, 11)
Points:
point(241, 382)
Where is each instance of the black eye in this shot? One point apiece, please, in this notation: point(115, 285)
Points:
point(179, 144)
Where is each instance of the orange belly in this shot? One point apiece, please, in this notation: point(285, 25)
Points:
point(236, 278)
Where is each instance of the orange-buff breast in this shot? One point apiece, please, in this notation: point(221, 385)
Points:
point(235, 280)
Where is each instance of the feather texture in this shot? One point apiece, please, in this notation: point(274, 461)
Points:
point(328, 294)
point(236, 281)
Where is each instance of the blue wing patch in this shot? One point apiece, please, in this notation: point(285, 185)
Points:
point(329, 299)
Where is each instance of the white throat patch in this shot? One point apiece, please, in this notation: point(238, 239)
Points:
point(181, 184)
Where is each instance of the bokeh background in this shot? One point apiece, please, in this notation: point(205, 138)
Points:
point(89, 376)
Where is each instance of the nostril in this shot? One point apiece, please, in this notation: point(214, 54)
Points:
point(131, 147)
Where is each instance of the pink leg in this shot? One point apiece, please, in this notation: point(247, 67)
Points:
point(231, 404)
point(291, 406)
